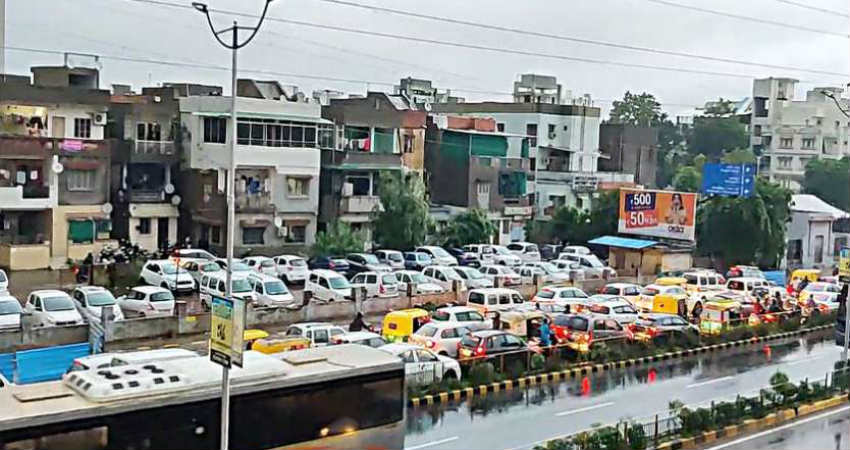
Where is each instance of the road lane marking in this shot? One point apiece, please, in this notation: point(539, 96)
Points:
point(802, 360)
point(780, 428)
point(587, 408)
point(716, 380)
point(431, 444)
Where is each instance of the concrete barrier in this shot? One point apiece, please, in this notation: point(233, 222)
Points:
point(52, 336)
point(148, 327)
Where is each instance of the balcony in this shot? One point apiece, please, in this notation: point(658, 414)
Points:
point(254, 204)
point(161, 152)
point(360, 204)
point(26, 198)
point(354, 160)
point(163, 148)
point(26, 146)
point(578, 181)
point(145, 195)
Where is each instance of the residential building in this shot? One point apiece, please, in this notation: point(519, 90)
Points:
point(277, 173)
point(54, 167)
point(421, 93)
point(145, 164)
point(815, 234)
point(374, 134)
point(533, 88)
point(788, 133)
point(629, 149)
point(467, 166)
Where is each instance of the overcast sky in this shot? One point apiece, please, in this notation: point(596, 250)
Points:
point(122, 27)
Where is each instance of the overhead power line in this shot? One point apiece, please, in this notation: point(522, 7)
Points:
point(560, 37)
point(750, 18)
point(814, 8)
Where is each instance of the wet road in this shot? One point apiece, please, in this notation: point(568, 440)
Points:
point(827, 430)
point(520, 419)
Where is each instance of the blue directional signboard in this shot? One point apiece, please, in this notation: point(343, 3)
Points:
point(731, 180)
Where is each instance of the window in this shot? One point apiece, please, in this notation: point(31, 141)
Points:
point(756, 130)
point(298, 187)
point(148, 132)
point(408, 143)
point(215, 234)
point(531, 133)
point(80, 231)
point(82, 128)
point(483, 188)
point(215, 130)
point(297, 233)
point(809, 143)
point(326, 136)
point(784, 162)
point(360, 183)
point(80, 180)
point(253, 235)
point(551, 130)
point(145, 225)
point(500, 127)
point(786, 142)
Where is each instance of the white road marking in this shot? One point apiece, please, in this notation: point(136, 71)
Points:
point(802, 360)
point(783, 427)
point(587, 408)
point(431, 444)
point(716, 380)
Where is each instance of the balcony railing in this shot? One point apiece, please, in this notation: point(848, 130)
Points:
point(254, 203)
point(359, 204)
point(165, 148)
point(145, 195)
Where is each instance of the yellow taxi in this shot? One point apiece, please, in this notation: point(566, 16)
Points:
point(629, 291)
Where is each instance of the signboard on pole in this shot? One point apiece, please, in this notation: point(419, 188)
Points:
point(227, 331)
point(731, 180)
point(663, 214)
point(844, 265)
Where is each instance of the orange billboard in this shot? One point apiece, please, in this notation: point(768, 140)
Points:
point(662, 214)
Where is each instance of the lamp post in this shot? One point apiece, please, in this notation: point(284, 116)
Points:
point(234, 47)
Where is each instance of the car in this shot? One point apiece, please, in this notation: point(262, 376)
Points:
point(197, 268)
point(744, 286)
point(501, 274)
point(659, 327)
point(490, 300)
point(504, 257)
point(91, 300)
point(261, 264)
point(336, 263)
point(614, 307)
point(547, 272)
point(328, 285)
point(819, 292)
point(629, 291)
point(377, 284)
point(291, 268)
point(422, 284)
point(364, 262)
point(191, 253)
point(526, 251)
point(560, 295)
point(592, 266)
point(704, 283)
point(827, 305)
point(166, 274)
point(50, 307)
point(550, 251)
point(444, 276)
point(366, 338)
point(473, 278)
point(464, 315)
point(465, 258)
point(741, 271)
point(488, 343)
point(578, 331)
point(422, 366)
point(10, 313)
point(238, 265)
point(484, 252)
point(417, 260)
point(4, 281)
point(147, 301)
point(438, 254)
point(571, 268)
point(440, 337)
point(576, 250)
point(392, 258)
point(658, 297)
point(215, 285)
point(270, 290)
point(318, 333)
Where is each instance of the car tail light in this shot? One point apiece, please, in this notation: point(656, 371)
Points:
point(479, 351)
point(430, 344)
point(331, 265)
point(381, 289)
point(823, 307)
point(652, 331)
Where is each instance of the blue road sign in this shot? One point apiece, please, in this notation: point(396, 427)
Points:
point(732, 180)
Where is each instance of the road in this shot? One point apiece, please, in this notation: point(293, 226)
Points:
point(520, 419)
point(827, 430)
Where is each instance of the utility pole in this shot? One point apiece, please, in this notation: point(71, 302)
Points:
point(234, 47)
point(2, 37)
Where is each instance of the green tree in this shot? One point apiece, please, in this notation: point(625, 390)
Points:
point(572, 225)
point(687, 179)
point(739, 156)
point(720, 108)
point(471, 227)
point(637, 109)
point(828, 179)
point(538, 231)
point(402, 221)
point(712, 136)
point(337, 239)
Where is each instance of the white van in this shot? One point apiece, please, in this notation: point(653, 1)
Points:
point(328, 285)
point(487, 301)
point(526, 251)
point(485, 252)
point(214, 285)
point(270, 290)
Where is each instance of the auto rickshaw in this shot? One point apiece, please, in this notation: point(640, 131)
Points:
point(263, 344)
point(798, 275)
point(719, 313)
point(522, 323)
point(667, 295)
point(399, 325)
point(251, 336)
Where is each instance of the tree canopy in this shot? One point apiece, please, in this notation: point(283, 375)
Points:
point(828, 179)
point(637, 109)
point(712, 136)
point(572, 225)
point(337, 239)
point(470, 227)
point(403, 220)
point(687, 179)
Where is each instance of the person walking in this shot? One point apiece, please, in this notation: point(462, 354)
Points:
point(545, 334)
point(358, 324)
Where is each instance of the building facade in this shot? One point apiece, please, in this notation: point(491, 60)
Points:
point(629, 149)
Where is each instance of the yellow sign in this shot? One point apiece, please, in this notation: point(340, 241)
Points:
point(226, 331)
point(844, 264)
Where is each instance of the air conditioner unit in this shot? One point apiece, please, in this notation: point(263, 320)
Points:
point(347, 189)
point(99, 118)
point(282, 231)
point(552, 135)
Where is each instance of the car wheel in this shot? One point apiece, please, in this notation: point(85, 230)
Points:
point(450, 375)
point(142, 281)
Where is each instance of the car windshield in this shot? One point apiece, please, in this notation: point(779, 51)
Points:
point(339, 283)
point(442, 316)
point(649, 291)
point(2, 276)
point(10, 307)
point(610, 290)
point(823, 288)
point(267, 263)
point(388, 278)
point(439, 252)
point(501, 250)
point(426, 330)
point(210, 267)
point(474, 274)
point(162, 296)
point(276, 288)
point(241, 267)
point(469, 340)
point(101, 299)
point(593, 261)
point(169, 269)
point(57, 304)
point(548, 267)
point(545, 293)
point(418, 278)
point(423, 257)
point(452, 275)
point(241, 285)
point(371, 259)
point(395, 257)
point(297, 262)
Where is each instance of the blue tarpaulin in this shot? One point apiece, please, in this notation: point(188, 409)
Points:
point(615, 241)
point(7, 365)
point(45, 364)
point(776, 276)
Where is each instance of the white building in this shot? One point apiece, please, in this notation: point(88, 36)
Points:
point(790, 133)
point(811, 239)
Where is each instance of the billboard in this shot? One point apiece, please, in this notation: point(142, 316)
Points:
point(662, 214)
point(227, 331)
point(844, 264)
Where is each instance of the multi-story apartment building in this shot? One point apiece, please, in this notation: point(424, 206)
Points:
point(277, 173)
point(54, 167)
point(630, 149)
point(788, 133)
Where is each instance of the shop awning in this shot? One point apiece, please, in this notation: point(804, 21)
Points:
point(150, 210)
point(620, 242)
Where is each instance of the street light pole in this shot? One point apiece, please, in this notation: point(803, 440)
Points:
point(234, 47)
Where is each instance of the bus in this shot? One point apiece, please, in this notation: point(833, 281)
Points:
point(337, 397)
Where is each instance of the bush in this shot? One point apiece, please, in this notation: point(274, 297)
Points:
point(538, 361)
point(638, 440)
point(482, 373)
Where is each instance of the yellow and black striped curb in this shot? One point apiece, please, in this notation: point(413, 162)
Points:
point(752, 425)
point(574, 372)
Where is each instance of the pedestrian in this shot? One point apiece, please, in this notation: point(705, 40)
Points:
point(358, 324)
point(802, 285)
point(497, 320)
point(545, 334)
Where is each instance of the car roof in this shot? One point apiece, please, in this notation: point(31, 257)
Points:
point(495, 291)
point(8, 298)
point(561, 288)
point(42, 292)
point(306, 325)
point(488, 333)
point(621, 285)
point(396, 349)
point(289, 257)
point(746, 279)
point(88, 289)
point(656, 316)
point(256, 258)
point(355, 335)
point(457, 309)
point(408, 272)
point(326, 273)
point(149, 289)
point(261, 276)
point(222, 275)
point(159, 261)
point(613, 302)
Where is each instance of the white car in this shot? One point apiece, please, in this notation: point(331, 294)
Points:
point(484, 252)
point(464, 315)
point(440, 337)
point(486, 301)
point(527, 251)
point(629, 291)
point(617, 308)
point(291, 268)
point(147, 301)
point(591, 265)
point(215, 285)
point(744, 285)
point(10, 313)
point(261, 264)
point(548, 272)
point(366, 338)
point(560, 295)
point(91, 300)
point(327, 285)
point(443, 276)
point(504, 274)
point(319, 333)
point(197, 268)
point(504, 257)
point(392, 258)
point(473, 278)
point(270, 290)
point(166, 274)
point(438, 255)
point(422, 366)
point(571, 268)
point(4, 282)
point(423, 285)
point(52, 308)
point(238, 265)
point(575, 250)
point(377, 284)
point(191, 253)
